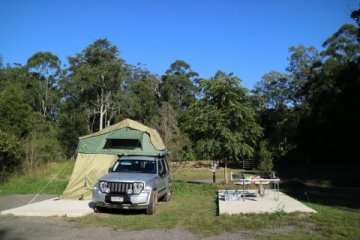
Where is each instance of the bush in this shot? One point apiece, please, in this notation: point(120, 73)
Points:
point(10, 154)
point(41, 145)
point(266, 158)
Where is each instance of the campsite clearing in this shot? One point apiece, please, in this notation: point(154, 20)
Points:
point(191, 214)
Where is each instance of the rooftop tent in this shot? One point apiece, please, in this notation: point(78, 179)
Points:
point(97, 152)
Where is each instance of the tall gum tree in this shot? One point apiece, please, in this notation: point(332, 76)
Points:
point(97, 73)
point(177, 86)
point(46, 67)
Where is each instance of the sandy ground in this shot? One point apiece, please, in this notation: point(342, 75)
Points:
point(42, 228)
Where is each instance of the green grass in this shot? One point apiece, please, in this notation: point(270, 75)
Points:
point(184, 174)
point(194, 207)
point(51, 178)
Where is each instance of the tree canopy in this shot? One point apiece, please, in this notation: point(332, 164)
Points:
point(307, 114)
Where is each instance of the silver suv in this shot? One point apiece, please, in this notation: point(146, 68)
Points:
point(134, 182)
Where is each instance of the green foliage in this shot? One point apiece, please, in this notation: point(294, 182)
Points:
point(167, 125)
point(265, 158)
point(343, 45)
point(177, 86)
point(302, 66)
point(306, 113)
point(280, 125)
point(72, 125)
point(41, 144)
point(329, 129)
point(142, 92)
point(14, 111)
point(309, 114)
point(94, 80)
point(10, 154)
point(45, 67)
point(222, 123)
point(273, 89)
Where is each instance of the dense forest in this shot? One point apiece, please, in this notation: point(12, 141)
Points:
point(308, 114)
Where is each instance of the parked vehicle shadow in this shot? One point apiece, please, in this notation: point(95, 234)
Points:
point(117, 211)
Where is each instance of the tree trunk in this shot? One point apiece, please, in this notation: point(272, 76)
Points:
point(101, 105)
point(225, 172)
point(101, 117)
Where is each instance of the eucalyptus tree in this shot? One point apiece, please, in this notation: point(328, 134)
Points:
point(330, 130)
point(177, 85)
point(343, 46)
point(95, 77)
point(303, 63)
point(140, 97)
point(276, 114)
point(273, 89)
point(45, 67)
point(222, 123)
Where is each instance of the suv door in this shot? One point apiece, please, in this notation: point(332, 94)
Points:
point(167, 173)
point(163, 177)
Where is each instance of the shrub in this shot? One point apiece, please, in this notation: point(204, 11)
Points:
point(266, 158)
point(10, 154)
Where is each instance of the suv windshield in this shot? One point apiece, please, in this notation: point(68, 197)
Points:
point(135, 166)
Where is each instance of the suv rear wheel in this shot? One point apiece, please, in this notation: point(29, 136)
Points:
point(167, 196)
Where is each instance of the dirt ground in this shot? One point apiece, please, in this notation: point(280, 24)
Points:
point(34, 228)
point(41, 228)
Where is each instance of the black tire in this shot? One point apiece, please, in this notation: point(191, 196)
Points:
point(98, 209)
point(152, 205)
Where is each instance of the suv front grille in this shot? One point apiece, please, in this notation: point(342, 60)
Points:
point(120, 187)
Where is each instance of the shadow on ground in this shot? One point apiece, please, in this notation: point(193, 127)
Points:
point(116, 210)
point(345, 196)
point(332, 185)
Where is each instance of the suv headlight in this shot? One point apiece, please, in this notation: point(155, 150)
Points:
point(138, 187)
point(104, 187)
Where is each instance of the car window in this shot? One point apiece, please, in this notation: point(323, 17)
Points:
point(135, 166)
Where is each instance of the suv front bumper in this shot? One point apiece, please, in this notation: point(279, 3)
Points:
point(134, 201)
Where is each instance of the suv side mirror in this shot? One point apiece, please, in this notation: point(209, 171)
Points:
point(110, 169)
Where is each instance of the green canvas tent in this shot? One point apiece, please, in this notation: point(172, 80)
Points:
point(97, 152)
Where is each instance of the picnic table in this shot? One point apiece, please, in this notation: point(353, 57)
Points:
point(245, 180)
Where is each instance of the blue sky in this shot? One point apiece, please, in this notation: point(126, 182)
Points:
point(246, 37)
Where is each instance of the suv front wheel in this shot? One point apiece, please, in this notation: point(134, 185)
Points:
point(152, 204)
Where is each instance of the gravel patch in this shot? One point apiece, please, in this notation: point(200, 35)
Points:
point(37, 228)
